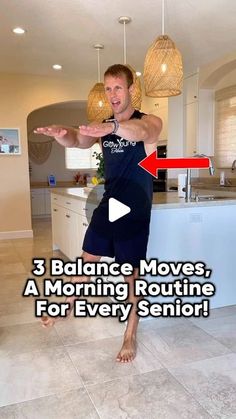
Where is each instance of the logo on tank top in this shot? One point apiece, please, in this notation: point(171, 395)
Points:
point(119, 145)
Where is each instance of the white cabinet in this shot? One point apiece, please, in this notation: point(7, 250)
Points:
point(191, 89)
point(191, 118)
point(71, 244)
point(70, 220)
point(69, 224)
point(57, 233)
point(158, 107)
point(40, 202)
point(198, 118)
point(37, 202)
point(190, 92)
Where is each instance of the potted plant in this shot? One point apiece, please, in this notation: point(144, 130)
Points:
point(99, 178)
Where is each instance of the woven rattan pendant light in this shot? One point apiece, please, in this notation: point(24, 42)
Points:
point(136, 95)
point(98, 107)
point(163, 69)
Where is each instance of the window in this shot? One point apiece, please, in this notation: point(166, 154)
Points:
point(225, 147)
point(80, 158)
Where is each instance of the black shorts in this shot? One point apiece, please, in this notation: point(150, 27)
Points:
point(125, 239)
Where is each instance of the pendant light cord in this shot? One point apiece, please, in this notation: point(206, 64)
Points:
point(124, 20)
point(163, 18)
point(99, 71)
point(124, 43)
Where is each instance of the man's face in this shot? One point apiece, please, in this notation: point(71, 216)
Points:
point(118, 93)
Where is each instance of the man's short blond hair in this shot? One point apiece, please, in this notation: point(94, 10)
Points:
point(117, 70)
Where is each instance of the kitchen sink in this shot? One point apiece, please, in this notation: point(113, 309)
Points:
point(201, 198)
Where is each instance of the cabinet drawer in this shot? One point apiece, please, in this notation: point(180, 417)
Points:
point(76, 205)
point(56, 199)
point(73, 204)
point(67, 202)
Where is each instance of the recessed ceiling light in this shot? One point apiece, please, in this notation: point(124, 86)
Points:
point(57, 67)
point(138, 74)
point(18, 31)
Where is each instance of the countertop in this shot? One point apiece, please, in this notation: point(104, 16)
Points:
point(161, 200)
point(195, 185)
point(60, 184)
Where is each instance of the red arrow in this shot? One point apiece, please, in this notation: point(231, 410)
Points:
point(151, 163)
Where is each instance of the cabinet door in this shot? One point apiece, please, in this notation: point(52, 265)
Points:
point(37, 202)
point(57, 226)
point(66, 232)
point(63, 229)
point(72, 226)
point(191, 89)
point(83, 229)
point(75, 234)
point(191, 118)
point(47, 199)
point(68, 225)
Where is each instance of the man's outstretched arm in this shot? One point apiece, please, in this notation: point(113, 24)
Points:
point(146, 129)
point(67, 136)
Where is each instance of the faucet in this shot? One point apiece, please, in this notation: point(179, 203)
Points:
point(233, 165)
point(211, 168)
point(188, 188)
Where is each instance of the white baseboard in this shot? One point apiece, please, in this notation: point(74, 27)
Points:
point(22, 234)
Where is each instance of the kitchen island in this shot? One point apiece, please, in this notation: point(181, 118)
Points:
point(179, 231)
point(198, 231)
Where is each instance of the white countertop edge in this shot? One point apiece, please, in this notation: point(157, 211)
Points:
point(172, 196)
point(194, 204)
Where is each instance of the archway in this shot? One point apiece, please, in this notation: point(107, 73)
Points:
point(45, 155)
point(212, 74)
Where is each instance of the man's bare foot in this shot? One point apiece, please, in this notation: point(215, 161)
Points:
point(128, 350)
point(50, 321)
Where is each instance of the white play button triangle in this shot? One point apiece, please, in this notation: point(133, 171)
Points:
point(116, 209)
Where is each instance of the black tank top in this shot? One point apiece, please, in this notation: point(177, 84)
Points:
point(125, 180)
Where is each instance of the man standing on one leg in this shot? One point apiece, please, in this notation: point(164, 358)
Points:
point(126, 139)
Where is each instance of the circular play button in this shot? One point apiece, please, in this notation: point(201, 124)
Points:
point(116, 209)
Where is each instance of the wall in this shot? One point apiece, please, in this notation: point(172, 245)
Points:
point(20, 95)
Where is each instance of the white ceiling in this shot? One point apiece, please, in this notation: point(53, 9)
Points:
point(64, 31)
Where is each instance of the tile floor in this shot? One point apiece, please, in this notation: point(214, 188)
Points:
point(184, 369)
